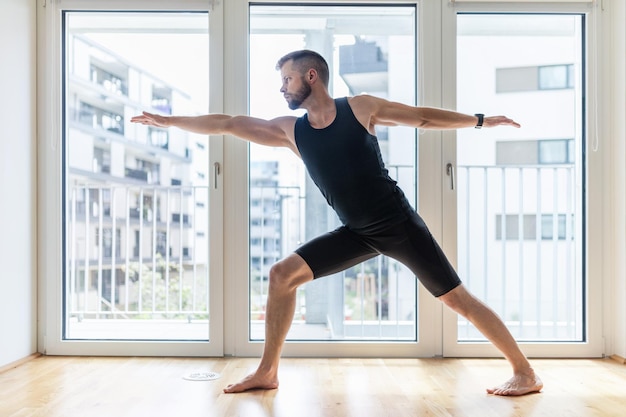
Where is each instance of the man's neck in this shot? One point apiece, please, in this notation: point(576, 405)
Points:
point(321, 111)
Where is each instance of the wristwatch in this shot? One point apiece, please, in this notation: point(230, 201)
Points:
point(481, 118)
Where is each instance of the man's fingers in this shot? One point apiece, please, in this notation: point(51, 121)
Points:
point(144, 118)
point(149, 119)
point(500, 120)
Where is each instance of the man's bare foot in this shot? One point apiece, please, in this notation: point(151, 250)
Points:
point(252, 381)
point(520, 384)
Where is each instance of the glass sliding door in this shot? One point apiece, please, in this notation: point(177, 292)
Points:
point(520, 193)
point(136, 198)
point(370, 49)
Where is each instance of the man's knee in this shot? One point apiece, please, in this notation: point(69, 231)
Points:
point(458, 299)
point(279, 275)
point(288, 275)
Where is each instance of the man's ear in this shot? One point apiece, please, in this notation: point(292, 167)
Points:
point(312, 74)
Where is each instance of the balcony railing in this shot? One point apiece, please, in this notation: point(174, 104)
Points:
point(517, 228)
point(520, 231)
point(137, 174)
point(120, 268)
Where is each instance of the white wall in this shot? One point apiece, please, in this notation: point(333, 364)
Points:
point(614, 135)
point(18, 271)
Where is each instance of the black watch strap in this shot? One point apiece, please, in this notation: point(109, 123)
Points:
point(481, 118)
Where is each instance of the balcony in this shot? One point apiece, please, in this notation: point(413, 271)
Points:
point(146, 280)
point(136, 174)
point(519, 240)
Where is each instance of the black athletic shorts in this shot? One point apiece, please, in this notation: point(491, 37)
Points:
point(409, 242)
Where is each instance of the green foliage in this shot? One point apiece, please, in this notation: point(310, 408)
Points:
point(163, 291)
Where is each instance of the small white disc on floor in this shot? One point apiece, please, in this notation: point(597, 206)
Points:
point(202, 376)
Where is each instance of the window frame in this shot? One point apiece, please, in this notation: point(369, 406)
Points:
point(428, 344)
point(593, 345)
point(229, 32)
point(51, 183)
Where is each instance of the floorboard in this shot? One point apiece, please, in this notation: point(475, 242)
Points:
point(96, 387)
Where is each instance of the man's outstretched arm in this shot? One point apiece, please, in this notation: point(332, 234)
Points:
point(388, 113)
point(273, 132)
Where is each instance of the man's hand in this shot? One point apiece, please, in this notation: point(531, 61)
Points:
point(151, 120)
point(494, 121)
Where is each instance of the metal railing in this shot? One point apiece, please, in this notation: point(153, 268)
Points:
point(520, 243)
point(131, 257)
point(128, 256)
point(518, 247)
point(375, 300)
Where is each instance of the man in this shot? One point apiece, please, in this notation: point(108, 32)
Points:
point(336, 140)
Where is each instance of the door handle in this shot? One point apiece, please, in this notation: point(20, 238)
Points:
point(216, 172)
point(450, 173)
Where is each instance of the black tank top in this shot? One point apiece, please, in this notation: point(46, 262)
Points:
point(345, 162)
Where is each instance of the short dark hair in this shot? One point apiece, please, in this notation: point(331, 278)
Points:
point(304, 60)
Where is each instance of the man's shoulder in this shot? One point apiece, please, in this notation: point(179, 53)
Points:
point(363, 105)
point(362, 98)
point(363, 102)
point(286, 124)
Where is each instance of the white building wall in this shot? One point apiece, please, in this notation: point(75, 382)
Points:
point(80, 67)
point(521, 106)
point(81, 156)
point(117, 159)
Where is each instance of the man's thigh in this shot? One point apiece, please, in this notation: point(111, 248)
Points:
point(334, 252)
point(412, 244)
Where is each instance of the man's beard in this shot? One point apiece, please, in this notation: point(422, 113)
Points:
point(299, 96)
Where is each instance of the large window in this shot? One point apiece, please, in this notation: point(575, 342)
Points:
point(521, 239)
point(369, 50)
point(149, 278)
point(143, 229)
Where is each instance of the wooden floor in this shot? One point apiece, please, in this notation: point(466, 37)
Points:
point(118, 387)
